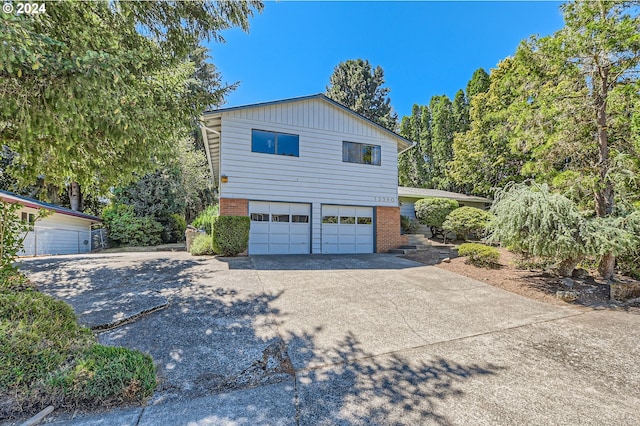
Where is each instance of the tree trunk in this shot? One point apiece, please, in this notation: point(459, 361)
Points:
point(565, 268)
point(604, 196)
point(606, 266)
point(75, 196)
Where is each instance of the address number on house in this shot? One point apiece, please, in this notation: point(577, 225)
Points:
point(385, 199)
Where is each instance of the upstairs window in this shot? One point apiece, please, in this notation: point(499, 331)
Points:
point(275, 143)
point(353, 152)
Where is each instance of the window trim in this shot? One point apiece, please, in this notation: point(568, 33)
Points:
point(361, 149)
point(275, 148)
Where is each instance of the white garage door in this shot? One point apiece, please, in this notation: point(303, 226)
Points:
point(279, 228)
point(347, 229)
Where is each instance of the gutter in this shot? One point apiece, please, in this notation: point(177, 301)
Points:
point(413, 144)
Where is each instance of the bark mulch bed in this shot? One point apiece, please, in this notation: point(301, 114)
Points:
point(532, 283)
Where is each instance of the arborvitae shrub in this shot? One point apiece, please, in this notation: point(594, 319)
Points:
point(230, 235)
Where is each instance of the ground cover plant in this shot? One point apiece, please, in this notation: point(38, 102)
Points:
point(47, 358)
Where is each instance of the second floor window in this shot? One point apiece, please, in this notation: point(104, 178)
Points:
point(275, 143)
point(353, 152)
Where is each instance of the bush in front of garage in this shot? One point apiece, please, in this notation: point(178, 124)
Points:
point(230, 235)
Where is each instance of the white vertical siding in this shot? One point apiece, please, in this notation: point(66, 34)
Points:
point(318, 176)
point(57, 234)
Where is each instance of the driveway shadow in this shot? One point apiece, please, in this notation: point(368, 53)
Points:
point(319, 262)
point(220, 332)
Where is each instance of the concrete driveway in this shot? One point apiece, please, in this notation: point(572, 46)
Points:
point(350, 340)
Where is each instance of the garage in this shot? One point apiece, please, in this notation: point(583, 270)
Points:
point(279, 228)
point(347, 229)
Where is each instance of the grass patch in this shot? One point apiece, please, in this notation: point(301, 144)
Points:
point(46, 358)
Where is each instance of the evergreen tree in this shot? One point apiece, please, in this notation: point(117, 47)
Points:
point(460, 112)
point(577, 89)
point(442, 130)
point(358, 86)
point(479, 83)
point(483, 159)
point(413, 164)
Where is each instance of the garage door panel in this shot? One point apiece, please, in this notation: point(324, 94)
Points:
point(260, 238)
point(299, 239)
point(347, 239)
point(258, 248)
point(347, 229)
point(329, 238)
point(279, 228)
point(299, 209)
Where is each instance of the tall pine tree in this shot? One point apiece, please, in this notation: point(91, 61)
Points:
point(358, 86)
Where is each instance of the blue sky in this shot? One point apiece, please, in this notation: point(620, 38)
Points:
point(425, 48)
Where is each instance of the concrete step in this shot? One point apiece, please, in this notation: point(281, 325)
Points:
point(398, 251)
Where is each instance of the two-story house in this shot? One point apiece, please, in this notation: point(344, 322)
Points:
point(313, 176)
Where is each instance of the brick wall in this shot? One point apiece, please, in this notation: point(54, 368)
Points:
point(388, 229)
point(234, 207)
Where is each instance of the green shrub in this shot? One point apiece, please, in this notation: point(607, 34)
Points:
point(37, 335)
point(533, 220)
point(48, 358)
point(173, 228)
point(409, 225)
point(479, 254)
point(12, 234)
point(230, 235)
point(202, 245)
point(629, 264)
point(125, 228)
point(204, 220)
point(467, 221)
point(433, 211)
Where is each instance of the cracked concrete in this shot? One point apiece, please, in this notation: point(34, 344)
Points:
point(366, 339)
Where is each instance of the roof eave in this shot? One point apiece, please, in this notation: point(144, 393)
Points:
point(403, 143)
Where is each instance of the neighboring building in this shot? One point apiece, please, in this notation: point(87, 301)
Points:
point(313, 176)
point(409, 196)
point(64, 231)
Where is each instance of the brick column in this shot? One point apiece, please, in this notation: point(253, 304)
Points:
point(234, 207)
point(388, 229)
